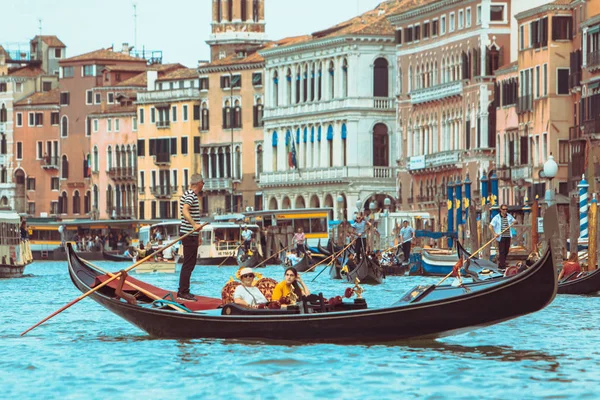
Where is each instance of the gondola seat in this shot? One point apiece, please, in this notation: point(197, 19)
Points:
point(265, 285)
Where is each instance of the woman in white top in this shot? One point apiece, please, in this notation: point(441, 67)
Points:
point(245, 294)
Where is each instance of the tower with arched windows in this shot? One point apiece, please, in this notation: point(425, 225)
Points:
point(237, 25)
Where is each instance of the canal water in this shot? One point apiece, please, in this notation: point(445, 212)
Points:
point(87, 352)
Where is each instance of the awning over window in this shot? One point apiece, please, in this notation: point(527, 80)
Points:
point(288, 137)
point(593, 85)
point(330, 133)
point(344, 131)
point(274, 138)
point(319, 134)
point(305, 134)
point(312, 135)
point(298, 136)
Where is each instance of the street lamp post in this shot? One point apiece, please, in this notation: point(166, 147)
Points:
point(549, 172)
point(231, 125)
point(386, 205)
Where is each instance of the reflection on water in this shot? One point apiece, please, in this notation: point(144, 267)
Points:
point(89, 352)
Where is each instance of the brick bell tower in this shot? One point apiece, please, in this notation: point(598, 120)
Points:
point(236, 25)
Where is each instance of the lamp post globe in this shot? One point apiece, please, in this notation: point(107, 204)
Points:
point(372, 206)
point(550, 167)
point(387, 202)
point(340, 199)
point(359, 204)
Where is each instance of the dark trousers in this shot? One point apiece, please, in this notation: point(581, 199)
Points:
point(406, 251)
point(300, 249)
point(359, 248)
point(247, 244)
point(503, 248)
point(190, 256)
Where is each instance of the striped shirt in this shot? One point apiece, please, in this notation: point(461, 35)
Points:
point(504, 227)
point(190, 198)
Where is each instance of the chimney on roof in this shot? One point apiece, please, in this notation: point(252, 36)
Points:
point(125, 48)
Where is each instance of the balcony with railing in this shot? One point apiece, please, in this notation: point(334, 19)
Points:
point(161, 191)
point(591, 127)
point(216, 184)
point(157, 96)
point(524, 104)
point(326, 175)
point(575, 133)
point(437, 92)
point(162, 159)
point(435, 161)
point(50, 162)
point(520, 172)
point(503, 173)
point(593, 61)
point(345, 104)
point(163, 124)
point(122, 173)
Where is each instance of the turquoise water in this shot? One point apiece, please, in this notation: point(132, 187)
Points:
point(87, 352)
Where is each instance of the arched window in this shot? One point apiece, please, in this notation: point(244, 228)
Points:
point(63, 205)
point(64, 173)
point(288, 85)
point(123, 157)
point(96, 197)
point(344, 145)
point(259, 160)
point(109, 163)
point(410, 79)
point(258, 114)
point(305, 84)
point(64, 126)
point(87, 166)
point(345, 78)
point(4, 201)
point(96, 160)
point(399, 82)
point(205, 124)
point(255, 12)
point(227, 121)
point(3, 175)
point(319, 81)
point(3, 113)
point(3, 143)
point(330, 145)
point(380, 78)
point(380, 146)
point(312, 82)
point(238, 163)
point(298, 78)
point(331, 80)
point(275, 88)
point(274, 152)
point(237, 115)
point(109, 200)
point(76, 203)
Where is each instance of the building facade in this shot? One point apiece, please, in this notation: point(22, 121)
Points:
point(447, 54)
point(330, 117)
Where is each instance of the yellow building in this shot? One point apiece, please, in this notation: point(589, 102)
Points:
point(168, 141)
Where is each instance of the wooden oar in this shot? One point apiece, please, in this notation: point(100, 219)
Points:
point(142, 290)
point(273, 255)
point(477, 252)
point(332, 256)
point(396, 246)
point(106, 282)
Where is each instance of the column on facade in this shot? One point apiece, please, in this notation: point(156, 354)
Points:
point(436, 136)
point(224, 11)
point(309, 80)
point(302, 79)
point(425, 139)
point(294, 72)
point(210, 163)
point(408, 131)
point(484, 116)
point(268, 153)
point(326, 80)
point(337, 145)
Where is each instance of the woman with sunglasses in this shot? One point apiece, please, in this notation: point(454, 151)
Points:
point(292, 282)
point(246, 294)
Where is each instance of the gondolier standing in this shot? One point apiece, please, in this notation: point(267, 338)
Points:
point(190, 220)
point(499, 228)
point(360, 225)
point(407, 234)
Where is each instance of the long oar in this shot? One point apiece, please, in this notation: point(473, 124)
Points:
point(396, 246)
point(477, 252)
point(106, 282)
point(133, 285)
point(333, 256)
point(273, 255)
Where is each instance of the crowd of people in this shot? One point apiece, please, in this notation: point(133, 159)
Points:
point(95, 240)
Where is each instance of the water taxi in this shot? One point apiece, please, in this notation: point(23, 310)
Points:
point(15, 253)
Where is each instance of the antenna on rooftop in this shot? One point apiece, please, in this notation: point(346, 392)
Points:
point(40, 25)
point(135, 25)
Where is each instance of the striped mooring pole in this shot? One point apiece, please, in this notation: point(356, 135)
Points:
point(583, 208)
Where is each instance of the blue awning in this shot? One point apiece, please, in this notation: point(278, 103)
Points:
point(288, 136)
point(274, 139)
point(344, 131)
point(319, 134)
point(330, 132)
point(298, 136)
point(312, 135)
point(305, 134)
point(593, 29)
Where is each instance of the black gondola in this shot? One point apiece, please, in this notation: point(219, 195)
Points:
point(587, 283)
point(115, 257)
point(428, 311)
point(244, 260)
point(367, 271)
point(325, 251)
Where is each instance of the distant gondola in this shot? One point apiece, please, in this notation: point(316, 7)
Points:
point(587, 283)
point(367, 271)
point(426, 311)
point(247, 261)
point(323, 250)
point(115, 257)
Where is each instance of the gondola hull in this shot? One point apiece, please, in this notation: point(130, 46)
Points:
point(367, 272)
point(245, 261)
point(116, 257)
point(589, 283)
point(444, 311)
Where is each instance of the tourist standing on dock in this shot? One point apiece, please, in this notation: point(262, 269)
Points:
point(407, 234)
point(190, 221)
point(299, 239)
point(499, 228)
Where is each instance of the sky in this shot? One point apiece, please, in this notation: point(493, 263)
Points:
point(177, 27)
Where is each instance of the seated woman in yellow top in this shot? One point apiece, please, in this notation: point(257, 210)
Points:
point(293, 282)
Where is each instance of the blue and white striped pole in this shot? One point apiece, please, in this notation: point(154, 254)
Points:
point(583, 208)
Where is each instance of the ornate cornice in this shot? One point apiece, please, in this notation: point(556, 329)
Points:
point(423, 10)
point(543, 9)
point(231, 67)
point(320, 44)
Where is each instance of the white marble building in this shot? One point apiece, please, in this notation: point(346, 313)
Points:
point(330, 95)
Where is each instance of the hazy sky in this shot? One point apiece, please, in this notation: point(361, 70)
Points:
point(177, 27)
